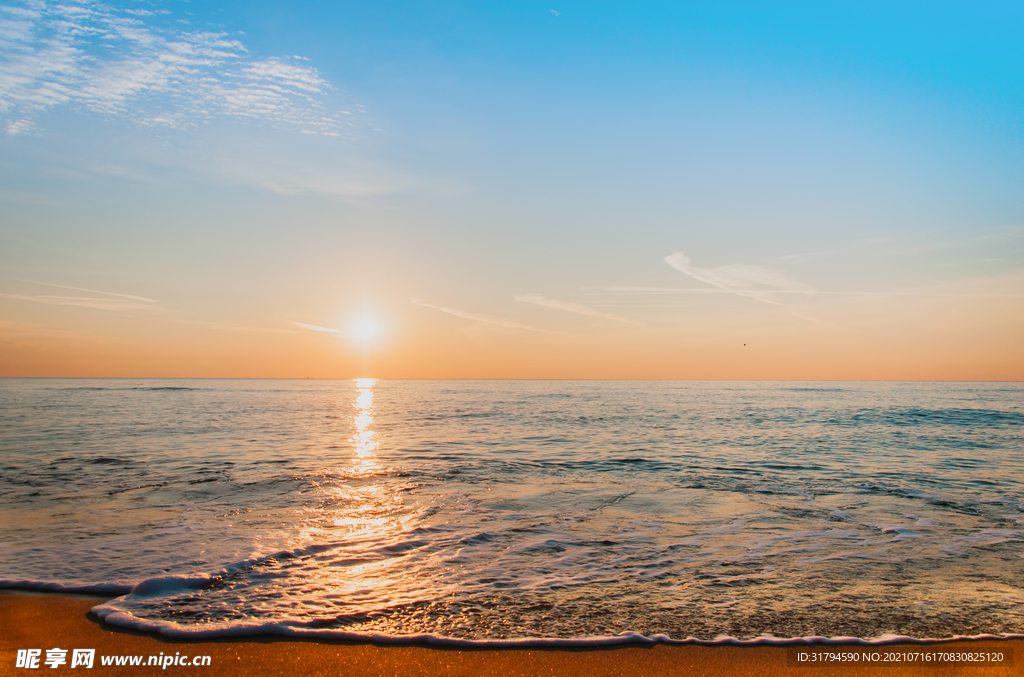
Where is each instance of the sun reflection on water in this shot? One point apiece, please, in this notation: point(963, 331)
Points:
point(372, 521)
point(364, 437)
point(367, 523)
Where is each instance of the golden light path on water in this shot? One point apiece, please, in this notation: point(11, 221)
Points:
point(364, 438)
point(367, 525)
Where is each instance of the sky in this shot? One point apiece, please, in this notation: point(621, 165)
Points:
point(728, 190)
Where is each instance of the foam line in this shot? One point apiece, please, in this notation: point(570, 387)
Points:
point(124, 619)
point(109, 612)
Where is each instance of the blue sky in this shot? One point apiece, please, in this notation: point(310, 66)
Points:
point(579, 189)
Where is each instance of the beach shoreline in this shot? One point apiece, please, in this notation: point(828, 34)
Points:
point(44, 620)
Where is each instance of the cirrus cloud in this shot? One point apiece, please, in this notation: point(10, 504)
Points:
point(570, 307)
point(138, 64)
point(477, 317)
point(756, 282)
point(314, 327)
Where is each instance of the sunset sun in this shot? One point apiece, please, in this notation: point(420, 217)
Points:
point(365, 329)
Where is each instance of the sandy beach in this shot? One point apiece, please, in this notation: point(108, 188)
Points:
point(45, 621)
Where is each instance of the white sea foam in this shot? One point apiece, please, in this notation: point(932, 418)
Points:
point(115, 616)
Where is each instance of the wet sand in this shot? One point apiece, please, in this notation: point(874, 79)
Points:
point(45, 621)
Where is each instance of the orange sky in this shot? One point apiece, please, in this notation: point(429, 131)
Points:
point(909, 338)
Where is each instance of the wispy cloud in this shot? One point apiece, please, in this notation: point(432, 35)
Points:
point(891, 245)
point(313, 327)
point(836, 251)
point(569, 307)
point(477, 317)
point(117, 304)
point(663, 290)
point(756, 282)
point(816, 292)
point(143, 66)
point(110, 301)
point(294, 171)
point(93, 291)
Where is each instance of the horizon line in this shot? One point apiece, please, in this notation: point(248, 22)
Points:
point(525, 378)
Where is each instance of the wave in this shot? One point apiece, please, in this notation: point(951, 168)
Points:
point(129, 388)
point(110, 612)
point(124, 619)
point(813, 390)
point(956, 417)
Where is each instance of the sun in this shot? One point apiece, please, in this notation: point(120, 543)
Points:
point(366, 329)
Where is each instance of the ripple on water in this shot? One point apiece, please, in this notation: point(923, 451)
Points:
point(493, 510)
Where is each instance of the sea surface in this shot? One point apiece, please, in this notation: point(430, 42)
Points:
point(519, 510)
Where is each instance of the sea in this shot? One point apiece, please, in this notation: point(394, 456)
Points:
point(520, 512)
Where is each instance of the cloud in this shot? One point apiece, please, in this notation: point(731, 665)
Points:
point(142, 66)
point(291, 171)
point(19, 127)
point(113, 301)
point(477, 317)
point(756, 282)
point(94, 291)
point(664, 290)
point(123, 305)
point(313, 327)
point(691, 290)
point(569, 307)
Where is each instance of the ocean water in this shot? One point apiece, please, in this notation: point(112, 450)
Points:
point(511, 510)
